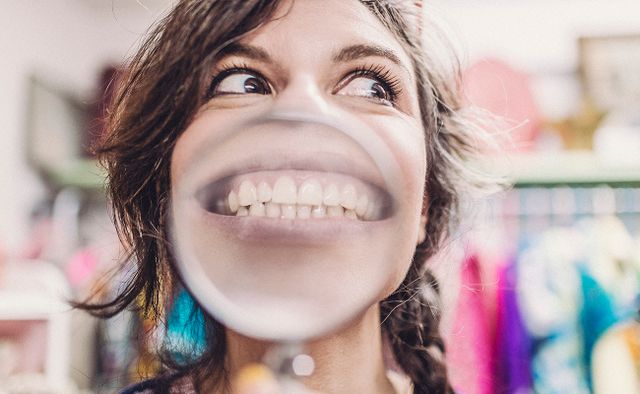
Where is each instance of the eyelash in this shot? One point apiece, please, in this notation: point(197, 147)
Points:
point(390, 82)
point(229, 70)
point(382, 74)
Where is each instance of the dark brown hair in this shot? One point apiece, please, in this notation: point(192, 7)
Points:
point(156, 102)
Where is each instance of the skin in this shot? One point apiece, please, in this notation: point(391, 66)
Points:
point(302, 43)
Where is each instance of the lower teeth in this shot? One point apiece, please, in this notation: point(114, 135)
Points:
point(288, 211)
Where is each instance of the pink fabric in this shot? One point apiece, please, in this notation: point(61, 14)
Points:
point(469, 349)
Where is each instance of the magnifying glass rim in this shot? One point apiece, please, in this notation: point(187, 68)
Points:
point(225, 310)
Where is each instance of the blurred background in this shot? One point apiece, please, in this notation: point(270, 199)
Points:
point(545, 295)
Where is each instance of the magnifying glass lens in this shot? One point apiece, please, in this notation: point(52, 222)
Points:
point(283, 226)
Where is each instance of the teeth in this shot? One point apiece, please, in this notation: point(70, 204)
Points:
point(319, 211)
point(331, 196)
point(247, 194)
point(335, 212)
point(264, 192)
point(304, 212)
point(284, 191)
point(273, 210)
point(257, 209)
point(233, 202)
point(310, 193)
point(287, 201)
point(348, 199)
point(361, 206)
point(370, 214)
point(288, 211)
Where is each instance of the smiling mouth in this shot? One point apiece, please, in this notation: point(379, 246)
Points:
point(295, 194)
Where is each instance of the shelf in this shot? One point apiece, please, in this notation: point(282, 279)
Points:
point(32, 290)
point(19, 305)
point(36, 291)
point(576, 168)
point(83, 174)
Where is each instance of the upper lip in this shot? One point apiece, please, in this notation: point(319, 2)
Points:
point(320, 161)
point(353, 163)
point(304, 147)
point(217, 185)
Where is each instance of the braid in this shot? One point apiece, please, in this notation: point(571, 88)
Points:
point(410, 320)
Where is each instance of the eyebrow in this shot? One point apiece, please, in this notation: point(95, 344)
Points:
point(346, 54)
point(354, 52)
point(248, 51)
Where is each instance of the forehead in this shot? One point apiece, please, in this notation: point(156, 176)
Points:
point(308, 29)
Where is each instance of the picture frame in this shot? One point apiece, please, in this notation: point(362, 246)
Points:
point(610, 70)
point(57, 122)
point(56, 119)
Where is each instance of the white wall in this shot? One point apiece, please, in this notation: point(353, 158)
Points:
point(537, 36)
point(67, 42)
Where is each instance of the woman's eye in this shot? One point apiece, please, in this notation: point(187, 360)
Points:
point(238, 82)
point(367, 87)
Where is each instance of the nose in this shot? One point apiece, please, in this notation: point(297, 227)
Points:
point(302, 94)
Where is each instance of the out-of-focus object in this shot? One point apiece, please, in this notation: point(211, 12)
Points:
point(96, 128)
point(574, 284)
point(66, 225)
point(470, 332)
point(7, 359)
point(497, 87)
point(2, 262)
point(118, 347)
point(35, 324)
point(56, 121)
point(616, 360)
point(81, 267)
point(609, 69)
point(34, 383)
point(617, 141)
point(576, 168)
point(577, 131)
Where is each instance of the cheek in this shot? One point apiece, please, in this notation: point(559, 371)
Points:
point(178, 158)
point(185, 146)
point(406, 140)
point(405, 137)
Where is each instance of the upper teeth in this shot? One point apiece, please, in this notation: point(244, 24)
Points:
point(309, 200)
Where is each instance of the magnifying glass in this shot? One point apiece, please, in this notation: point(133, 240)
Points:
point(283, 227)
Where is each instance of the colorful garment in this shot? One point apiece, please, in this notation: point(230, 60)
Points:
point(513, 344)
point(469, 354)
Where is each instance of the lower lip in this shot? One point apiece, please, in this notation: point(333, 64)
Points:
point(292, 231)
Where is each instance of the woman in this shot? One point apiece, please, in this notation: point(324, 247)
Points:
point(211, 60)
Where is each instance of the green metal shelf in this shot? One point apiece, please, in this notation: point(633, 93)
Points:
point(84, 174)
point(579, 168)
point(574, 168)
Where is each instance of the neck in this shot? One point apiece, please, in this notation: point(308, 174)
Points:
point(346, 362)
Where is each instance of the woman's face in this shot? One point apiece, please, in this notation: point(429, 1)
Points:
point(300, 224)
